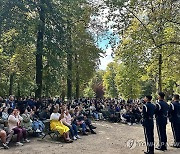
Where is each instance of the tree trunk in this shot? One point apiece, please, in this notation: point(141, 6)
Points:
point(69, 75)
point(39, 50)
point(63, 95)
point(11, 83)
point(69, 62)
point(19, 91)
point(160, 73)
point(77, 77)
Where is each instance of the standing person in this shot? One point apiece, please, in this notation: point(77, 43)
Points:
point(174, 117)
point(148, 124)
point(161, 114)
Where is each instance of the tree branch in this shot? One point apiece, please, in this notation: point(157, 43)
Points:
point(150, 34)
point(166, 43)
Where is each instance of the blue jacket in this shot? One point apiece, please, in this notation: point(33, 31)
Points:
point(161, 112)
point(148, 114)
point(174, 112)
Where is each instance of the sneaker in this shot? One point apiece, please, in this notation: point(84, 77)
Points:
point(68, 141)
point(74, 138)
point(38, 131)
point(78, 137)
point(93, 127)
point(5, 146)
point(19, 144)
point(26, 141)
point(85, 133)
point(93, 132)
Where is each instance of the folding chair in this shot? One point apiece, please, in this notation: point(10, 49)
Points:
point(48, 131)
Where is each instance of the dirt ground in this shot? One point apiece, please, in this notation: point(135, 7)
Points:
point(111, 138)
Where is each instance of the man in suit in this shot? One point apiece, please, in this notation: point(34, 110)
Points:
point(148, 124)
point(174, 117)
point(161, 114)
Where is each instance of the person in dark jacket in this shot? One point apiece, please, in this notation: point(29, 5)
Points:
point(148, 124)
point(161, 114)
point(174, 117)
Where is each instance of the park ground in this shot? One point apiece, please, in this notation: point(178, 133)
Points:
point(111, 138)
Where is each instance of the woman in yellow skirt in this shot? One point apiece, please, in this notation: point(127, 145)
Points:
point(56, 124)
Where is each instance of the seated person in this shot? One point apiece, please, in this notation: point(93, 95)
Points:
point(44, 115)
point(37, 125)
point(129, 116)
point(26, 122)
point(81, 118)
point(137, 113)
point(14, 123)
point(113, 117)
point(98, 110)
point(94, 112)
point(122, 113)
point(5, 114)
point(67, 120)
point(56, 124)
point(3, 137)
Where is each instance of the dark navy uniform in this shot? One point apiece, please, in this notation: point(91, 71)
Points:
point(174, 117)
point(148, 123)
point(161, 114)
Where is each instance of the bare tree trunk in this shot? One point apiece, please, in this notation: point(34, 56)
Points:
point(11, 83)
point(39, 51)
point(69, 63)
point(160, 73)
point(77, 77)
point(19, 91)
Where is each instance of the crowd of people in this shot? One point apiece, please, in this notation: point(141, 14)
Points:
point(24, 115)
point(70, 119)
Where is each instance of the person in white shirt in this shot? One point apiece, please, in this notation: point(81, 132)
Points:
point(56, 124)
point(14, 123)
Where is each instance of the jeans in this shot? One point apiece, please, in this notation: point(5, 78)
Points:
point(38, 125)
point(96, 115)
point(73, 130)
point(83, 126)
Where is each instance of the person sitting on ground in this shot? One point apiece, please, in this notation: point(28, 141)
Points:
point(113, 117)
point(94, 112)
point(14, 123)
point(98, 110)
point(56, 124)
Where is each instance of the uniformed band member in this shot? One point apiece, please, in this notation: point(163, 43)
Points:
point(174, 117)
point(148, 124)
point(161, 114)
